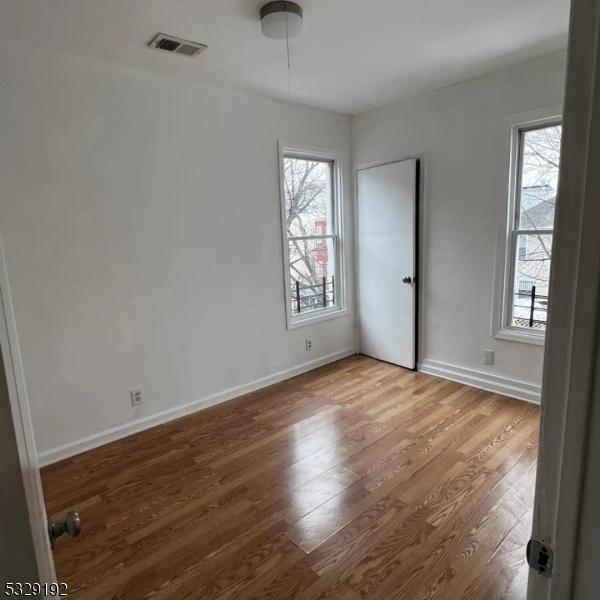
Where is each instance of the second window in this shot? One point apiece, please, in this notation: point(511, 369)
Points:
point(536, 183)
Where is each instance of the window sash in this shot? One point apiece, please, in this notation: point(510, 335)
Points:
point(518, 185)
point(312, 237)
point(331, 163)
point(532, 231)
point(511, 289)
point(290, 279)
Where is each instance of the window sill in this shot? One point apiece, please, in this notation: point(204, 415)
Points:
point(511, 335)
point(317, 318)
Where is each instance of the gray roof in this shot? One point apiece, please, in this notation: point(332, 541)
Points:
point(537, 207)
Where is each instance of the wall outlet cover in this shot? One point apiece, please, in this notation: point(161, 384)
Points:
point(488, 357)
point(137, 397)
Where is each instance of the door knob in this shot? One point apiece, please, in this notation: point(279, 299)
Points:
point(71, 526)
point(407, 280)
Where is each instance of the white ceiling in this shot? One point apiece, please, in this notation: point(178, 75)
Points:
point(353, 55)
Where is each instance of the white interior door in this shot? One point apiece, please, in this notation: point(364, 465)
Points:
point(25, 553)
point(387, 261)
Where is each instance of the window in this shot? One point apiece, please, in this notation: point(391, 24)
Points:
point(535, 168)
point(310, 198)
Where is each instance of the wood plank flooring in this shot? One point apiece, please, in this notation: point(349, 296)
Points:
point(357, 480)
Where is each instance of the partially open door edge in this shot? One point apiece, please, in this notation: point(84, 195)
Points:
point(19, 402)
point(569, 392)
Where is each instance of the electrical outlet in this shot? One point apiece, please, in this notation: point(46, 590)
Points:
point(488, 357)
point(308, 344)
point(137, 397)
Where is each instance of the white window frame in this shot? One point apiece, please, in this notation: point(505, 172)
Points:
point(295, 321)
point(502, 327)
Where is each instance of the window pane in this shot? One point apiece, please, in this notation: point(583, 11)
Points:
point(540, 156)
point(308, 197)
point(312, 275)
point(532, 275)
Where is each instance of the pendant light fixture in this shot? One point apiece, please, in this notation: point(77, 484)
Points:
point(281, 20)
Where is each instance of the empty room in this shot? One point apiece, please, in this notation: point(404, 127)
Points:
point(298, 299)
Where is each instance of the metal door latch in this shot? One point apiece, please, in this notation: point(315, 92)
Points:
point(540, 557)
point(71, 526)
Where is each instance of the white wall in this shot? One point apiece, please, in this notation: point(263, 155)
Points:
point(462, 131)
point(140, 217)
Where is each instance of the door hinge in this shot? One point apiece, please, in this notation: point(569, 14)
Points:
point(540, 557)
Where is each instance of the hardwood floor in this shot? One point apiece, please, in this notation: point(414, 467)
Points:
point(357, 480)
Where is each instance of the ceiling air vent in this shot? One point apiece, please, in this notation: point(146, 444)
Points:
point(168, 43)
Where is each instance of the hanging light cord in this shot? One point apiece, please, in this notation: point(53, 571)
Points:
point(287, 46)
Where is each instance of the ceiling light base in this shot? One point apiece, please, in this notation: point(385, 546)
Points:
point(281, 20)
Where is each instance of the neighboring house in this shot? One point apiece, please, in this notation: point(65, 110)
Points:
point(537, 206)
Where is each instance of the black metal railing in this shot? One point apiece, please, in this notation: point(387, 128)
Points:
point(536, 303)
point(307, 298)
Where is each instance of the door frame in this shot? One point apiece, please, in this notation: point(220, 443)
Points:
point(571, 379)
point(21, 415)
point(419, 236)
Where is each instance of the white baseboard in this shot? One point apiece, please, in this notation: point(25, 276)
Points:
point(485, 381)
point(121, 431)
